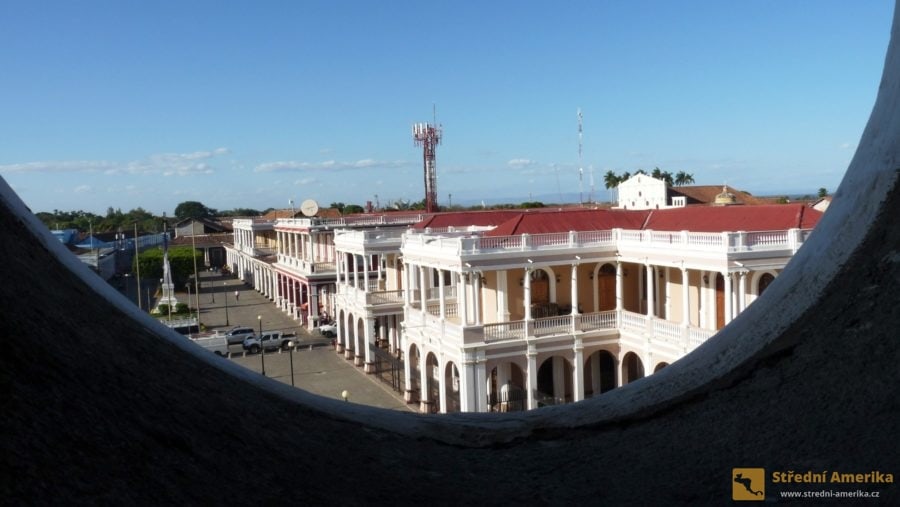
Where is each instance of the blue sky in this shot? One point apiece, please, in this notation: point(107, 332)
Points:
point(249, 104)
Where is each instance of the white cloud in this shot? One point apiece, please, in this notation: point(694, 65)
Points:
point(167, 164)
point(306, 181)
point(327, 165)
point(520, 163)
point(83, 189)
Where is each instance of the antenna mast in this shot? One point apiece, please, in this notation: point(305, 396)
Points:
point(428, 135)
point(580, 162)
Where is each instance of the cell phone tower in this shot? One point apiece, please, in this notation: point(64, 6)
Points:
point(580, 162)
point(428, 135)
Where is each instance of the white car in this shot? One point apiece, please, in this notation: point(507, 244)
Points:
point(269, 341)
point(329, 330)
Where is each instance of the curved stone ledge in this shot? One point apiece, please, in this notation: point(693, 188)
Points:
point(102, 404)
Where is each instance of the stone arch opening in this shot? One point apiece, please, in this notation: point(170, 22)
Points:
point(632, 368)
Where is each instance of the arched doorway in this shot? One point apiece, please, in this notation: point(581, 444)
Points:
point(660, 366)
point(506, 388)
point(451, 388)
point(554, 382)
point(361, 344)
point(764, 281)
point(599, 373)
point(431, 382)
point(632, 368)
point(415, 375)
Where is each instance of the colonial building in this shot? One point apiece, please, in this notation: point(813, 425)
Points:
point(555, 307)
point(513, 310)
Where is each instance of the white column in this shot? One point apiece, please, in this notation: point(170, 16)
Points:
point(425, 381)
point(477, 299)
point(728, 296)
point(370, 340)
point(574, 289)
point(527, 282)
point(620, 302)
point(442, 300)
point(742, 291)
point(442, 391)
point(531, 380)
point(685, 298)
point(620, 375)
point(471, 379)
point(578, 370)
point(407, 376)
point(651, 297)
point(667, 296)
point(422, 289)
point(462, 287)
point(355, 270)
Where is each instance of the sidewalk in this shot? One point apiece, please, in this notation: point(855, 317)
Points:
point(317, 369)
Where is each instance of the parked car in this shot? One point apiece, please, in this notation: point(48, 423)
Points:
point(214, 343)
point(329, 330)
point(238, 334)
point(270, 341)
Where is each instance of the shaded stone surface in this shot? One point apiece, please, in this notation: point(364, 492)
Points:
point(101, 408)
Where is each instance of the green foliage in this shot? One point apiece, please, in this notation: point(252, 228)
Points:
point(115, 220)
point(352, 209)
point(531, 204)
point(338, 206)
point(823, 192)
point(163, 309)
point(181, 308)
point(783, 200)
point(242, 212)
point(193, 209)
point(181, 260)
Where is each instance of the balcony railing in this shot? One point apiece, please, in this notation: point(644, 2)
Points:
point(726, 242)
point(307, 267)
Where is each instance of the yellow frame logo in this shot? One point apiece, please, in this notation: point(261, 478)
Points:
point(748, 484)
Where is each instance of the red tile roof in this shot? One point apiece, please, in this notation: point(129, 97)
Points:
point(734, 218)
point(574, 220)
point(691, 218)
point(463, 219)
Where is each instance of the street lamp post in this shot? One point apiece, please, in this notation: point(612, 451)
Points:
point(292, 365)
point(188, 285)
point(262, 347)
point(226, 302)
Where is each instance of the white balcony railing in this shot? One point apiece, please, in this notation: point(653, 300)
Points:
point(724, 242)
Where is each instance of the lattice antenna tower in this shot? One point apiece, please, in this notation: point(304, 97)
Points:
point(580, 162)
point(428, 136)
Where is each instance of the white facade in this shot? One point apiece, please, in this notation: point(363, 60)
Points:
point(479, 323)
point(642, 192)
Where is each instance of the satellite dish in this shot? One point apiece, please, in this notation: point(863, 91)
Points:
point(309, 208)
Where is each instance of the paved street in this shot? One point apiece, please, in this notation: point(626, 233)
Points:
point(317, 368)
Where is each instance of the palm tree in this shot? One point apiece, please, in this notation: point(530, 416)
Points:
point(682, 178)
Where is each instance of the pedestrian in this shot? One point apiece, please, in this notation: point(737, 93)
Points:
point(237, 295)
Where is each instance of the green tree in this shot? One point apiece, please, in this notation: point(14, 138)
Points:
point(682, 178)
point(193, 209)
point(181, 260)
point(338, 206)
point(823, 192)
point(352, 209)
point(662, 175)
